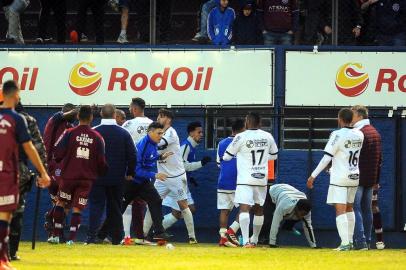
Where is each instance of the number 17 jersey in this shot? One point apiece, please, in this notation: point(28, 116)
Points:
point(344, 146)
point(253, 148)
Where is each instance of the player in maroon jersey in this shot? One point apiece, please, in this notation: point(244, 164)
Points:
point(81, 156)
point(54, 129)
point(13, 132)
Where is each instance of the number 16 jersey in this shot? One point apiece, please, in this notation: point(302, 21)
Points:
point(344, 146)
point(253, 148)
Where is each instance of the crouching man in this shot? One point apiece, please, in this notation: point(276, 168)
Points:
point(290, 204)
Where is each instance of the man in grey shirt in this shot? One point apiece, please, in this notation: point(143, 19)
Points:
point(290, 204)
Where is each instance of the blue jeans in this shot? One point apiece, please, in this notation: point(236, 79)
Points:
point(363, 215)
point(206, 8)
point(273, 38)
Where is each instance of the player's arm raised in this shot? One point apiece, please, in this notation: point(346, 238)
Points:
point(233, 148)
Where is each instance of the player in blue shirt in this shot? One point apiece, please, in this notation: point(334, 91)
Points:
point(226, 186)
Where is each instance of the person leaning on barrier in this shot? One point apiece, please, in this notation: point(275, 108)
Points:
point(26, 179)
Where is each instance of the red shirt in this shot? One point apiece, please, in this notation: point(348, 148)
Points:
point(370, 158)
point(81, 153)
point(278, 14)
point(54, 129)
point(13, 131)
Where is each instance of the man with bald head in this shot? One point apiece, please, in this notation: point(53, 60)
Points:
point(107, 191)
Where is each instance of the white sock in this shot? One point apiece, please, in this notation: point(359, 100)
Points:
point(123, 32)
point(127, 218)
point(342, 227)
point(245, 227)
point(257, 225)
point(169, 220)
point(235, 226)
point(147, 223)
point(222, 232)
point(351, 225)
point(188, 218)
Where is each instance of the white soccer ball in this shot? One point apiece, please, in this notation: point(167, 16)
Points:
point(380, 245)
point(170, 246)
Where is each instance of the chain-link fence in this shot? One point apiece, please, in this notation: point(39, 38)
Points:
point(252, 22)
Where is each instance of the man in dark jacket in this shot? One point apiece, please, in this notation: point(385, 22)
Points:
point(247, 29)
point(280, 20)
point(349, 21)
point(145, 172)
point(108, 189)
point(369, 165)
point(391, 22)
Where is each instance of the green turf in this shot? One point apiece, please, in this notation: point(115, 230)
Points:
point(202, 257)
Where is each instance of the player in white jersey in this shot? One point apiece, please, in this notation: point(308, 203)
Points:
point(343, 149)
point(253, 148)
point(137, 127)
point(176, 182)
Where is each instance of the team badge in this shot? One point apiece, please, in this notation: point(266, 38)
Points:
point(249, 144)
point(396, 7)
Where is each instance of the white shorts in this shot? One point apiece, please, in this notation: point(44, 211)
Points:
point(177, 186)
point(250, 195)
point(225, 199)
point(341, 195)
point(170, 200)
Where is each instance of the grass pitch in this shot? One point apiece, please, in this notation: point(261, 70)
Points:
point(201, 257)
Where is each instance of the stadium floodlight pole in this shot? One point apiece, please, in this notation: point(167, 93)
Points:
point(35, 221)
point(334, 23)
point(152, 22)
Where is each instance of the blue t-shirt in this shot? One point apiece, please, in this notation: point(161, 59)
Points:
point(228, 169)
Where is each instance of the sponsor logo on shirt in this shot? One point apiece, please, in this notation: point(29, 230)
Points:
point(257, 143)
point(82, 152)
point(353, 143)
point(82, 201)
point(1, 165)
point(65, 195)
point(84, 139)
point(258, 175)
point(6, 200)
point(4, 124)
point(354, 176)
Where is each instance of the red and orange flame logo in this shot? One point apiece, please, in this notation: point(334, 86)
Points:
point(350, 80)
point(83, 81)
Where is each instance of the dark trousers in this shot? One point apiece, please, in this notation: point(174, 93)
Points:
point(147, 192)
point(97, 8)
point(59, 9)
point(109, 198)
point(16, 226)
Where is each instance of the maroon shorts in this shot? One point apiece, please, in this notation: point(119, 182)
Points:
point(75, 192)
point(9, 195)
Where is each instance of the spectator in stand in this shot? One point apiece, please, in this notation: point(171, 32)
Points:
point(12, 10)
point(349, 21)
point(97, 8)
point(246, 27)
point(368, 12)
point(202, 36)
point(370, 161)
point(124, 7)
point(315, 19)
point(59, 10)
point(391, 22)
point(220, 23)
point(280, 21)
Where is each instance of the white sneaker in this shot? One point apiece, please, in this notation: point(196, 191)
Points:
point(143, 242)
point(53, 240)
point(380, 245)
point(122, 38)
